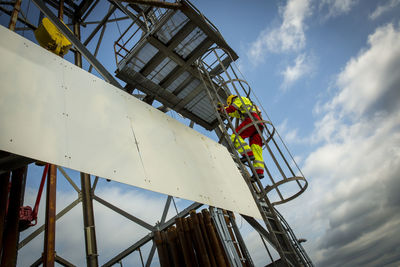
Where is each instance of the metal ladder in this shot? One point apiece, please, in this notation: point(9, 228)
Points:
point(278, 235)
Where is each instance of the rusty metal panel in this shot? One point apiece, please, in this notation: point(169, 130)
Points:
point(61, 114)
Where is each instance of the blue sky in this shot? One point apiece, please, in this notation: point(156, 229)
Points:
point(328, 74)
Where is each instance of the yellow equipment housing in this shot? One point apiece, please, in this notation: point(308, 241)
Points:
point(51, 38)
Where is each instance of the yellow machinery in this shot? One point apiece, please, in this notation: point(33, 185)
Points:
point(51, 38)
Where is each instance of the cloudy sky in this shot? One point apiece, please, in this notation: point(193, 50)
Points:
point(328, 74)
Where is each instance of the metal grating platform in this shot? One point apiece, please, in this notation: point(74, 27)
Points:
point(161, 61)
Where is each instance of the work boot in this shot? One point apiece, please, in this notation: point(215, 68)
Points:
point(260, 176)
point(244, 158)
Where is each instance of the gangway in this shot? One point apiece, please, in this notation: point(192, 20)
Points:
point(156, 55)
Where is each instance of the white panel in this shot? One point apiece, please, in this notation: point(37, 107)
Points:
point(61, 114)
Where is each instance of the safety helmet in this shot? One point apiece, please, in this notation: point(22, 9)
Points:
point(229, 99)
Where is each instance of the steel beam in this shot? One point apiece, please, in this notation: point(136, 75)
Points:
point(183, 85)
point(98, 44)
point(4, 182)
point(261, 230)
point(186, 65)
point(77, 55)
point(55, 4)
point(108, 21)
point(69, 179)
point(14, 15)
point(96, 179)
point(11, 231)
point(165, 97)
point(27, 23)
point(50, 218)
point(134, 17)
point(155, 3)
point(13, 162)
point(166, 208)
point(88, 221)
point(164, 49)
point(206, 26)
point(37, 262)
point(83, 6)
point(124, 213)
point(128, 251)
point(78, 45)
point(159, 57)
point(63, 261)
point(101, 23)
point(192, 95)
point(163, 217)
point(149, 236)
point(89, 11)
point(151, 255)
point(41, 228)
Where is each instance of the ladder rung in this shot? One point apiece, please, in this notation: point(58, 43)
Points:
point(268, 213)
point(288, 252)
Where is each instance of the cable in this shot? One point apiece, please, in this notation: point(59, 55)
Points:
point(119, 30)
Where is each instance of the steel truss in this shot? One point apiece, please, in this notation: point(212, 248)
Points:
point(161, 225)
point(86, 193)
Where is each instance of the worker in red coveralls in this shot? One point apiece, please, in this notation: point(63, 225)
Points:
point(236, 107)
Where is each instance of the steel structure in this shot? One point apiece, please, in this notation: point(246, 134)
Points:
point(176, 56)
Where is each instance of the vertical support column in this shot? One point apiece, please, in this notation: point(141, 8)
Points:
point(88, 221)
point(11, 232)
point(14, 15)
point(4, 181)
point(50, 220)
point(61, 10)
point(77, 32)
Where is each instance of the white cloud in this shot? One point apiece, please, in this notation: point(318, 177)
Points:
point(369, 78)
point(354, 172)
point(337, 7)
point(288, 37)
point(114, 232)
point(289, 135)
point(381, 9)
point(302, 66)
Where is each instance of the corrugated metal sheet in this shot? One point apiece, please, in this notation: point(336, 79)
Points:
point(177, 82)
point(191, 86)
point(190, 42)
point(171, 27)
point(162, 70)
point(142, 56)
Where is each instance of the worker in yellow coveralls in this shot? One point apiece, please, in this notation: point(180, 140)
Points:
point(236, 107)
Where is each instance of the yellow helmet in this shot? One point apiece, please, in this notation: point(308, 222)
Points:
point(229, 99)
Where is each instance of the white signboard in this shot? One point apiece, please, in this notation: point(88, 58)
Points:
point(53, 111)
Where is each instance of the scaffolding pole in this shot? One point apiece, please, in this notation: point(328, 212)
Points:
point(88, 221)
point(4, 181)
point(11, 231)
point(50, 218)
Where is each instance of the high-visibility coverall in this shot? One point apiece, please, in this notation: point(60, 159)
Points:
point(238, 110)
